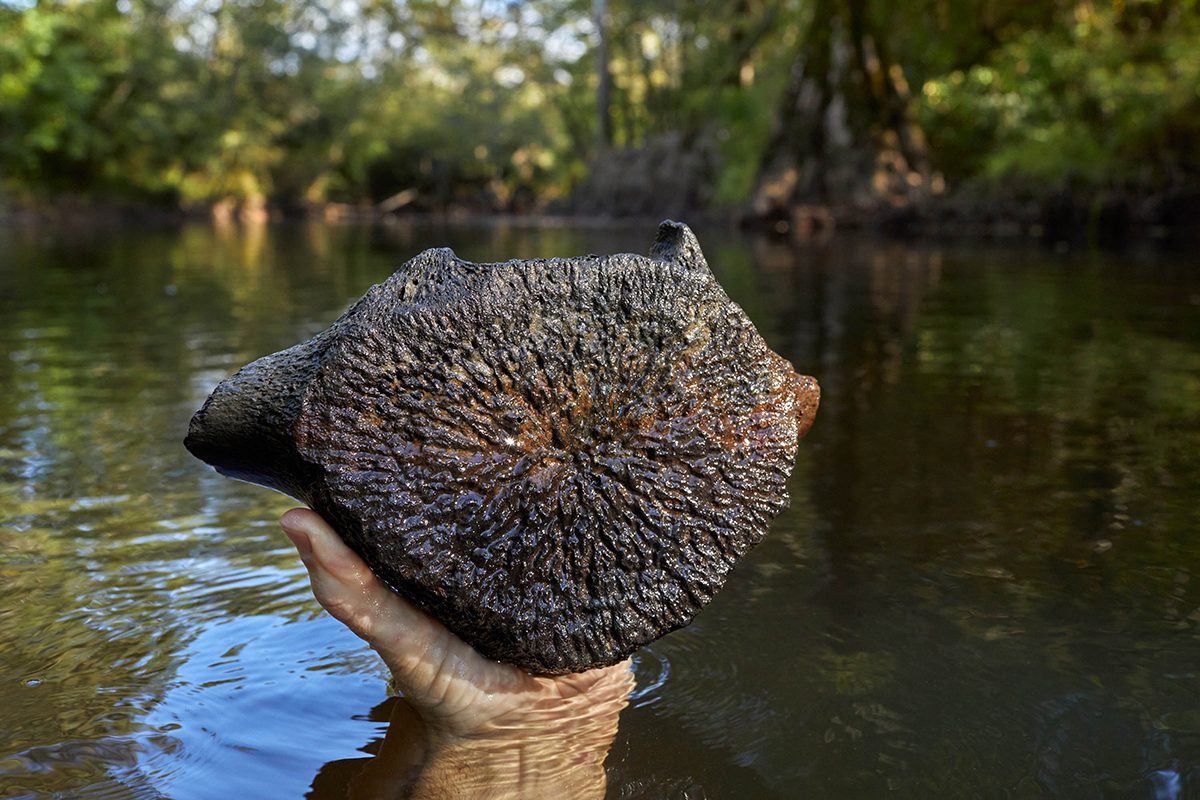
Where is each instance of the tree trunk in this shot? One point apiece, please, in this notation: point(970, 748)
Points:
point(786, 174)
point(603, 79)
point(844, 143)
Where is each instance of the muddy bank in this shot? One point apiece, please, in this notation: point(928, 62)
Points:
point(1104, 217)
point(1108, 218)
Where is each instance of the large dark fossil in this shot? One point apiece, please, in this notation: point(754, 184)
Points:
point(561, 460)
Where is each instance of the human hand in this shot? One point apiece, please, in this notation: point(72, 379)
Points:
point(485, 722)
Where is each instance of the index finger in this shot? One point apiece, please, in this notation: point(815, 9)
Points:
point(425, 658)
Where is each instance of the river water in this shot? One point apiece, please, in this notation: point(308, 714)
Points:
point(987, 585)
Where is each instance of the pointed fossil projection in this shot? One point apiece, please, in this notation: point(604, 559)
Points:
point(561, 460)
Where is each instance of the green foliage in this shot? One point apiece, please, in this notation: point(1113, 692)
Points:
point(1107, 96)
point(59, 73)
point(745, 128)
point(493, 104)
point(287, 101)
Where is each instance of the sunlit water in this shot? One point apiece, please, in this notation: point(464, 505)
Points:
point(988, 583)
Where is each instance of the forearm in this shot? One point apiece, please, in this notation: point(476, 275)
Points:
point(514, 768)
point(543, 753)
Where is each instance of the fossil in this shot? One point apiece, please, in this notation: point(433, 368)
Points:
point(561, 460)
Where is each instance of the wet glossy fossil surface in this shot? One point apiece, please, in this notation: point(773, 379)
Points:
point(561, 459)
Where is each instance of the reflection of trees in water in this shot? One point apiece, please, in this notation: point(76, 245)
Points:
point(1127, 754)
point(774, 684)
point(972, 398)
point(990, 513)
point(990, 550)
point(847, 313)
point(115, 551)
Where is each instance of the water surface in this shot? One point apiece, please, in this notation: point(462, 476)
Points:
point(988, 583)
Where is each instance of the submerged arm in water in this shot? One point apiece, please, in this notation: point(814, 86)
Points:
point(468, 727)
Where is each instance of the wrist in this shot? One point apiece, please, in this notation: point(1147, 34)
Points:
point(515, 764)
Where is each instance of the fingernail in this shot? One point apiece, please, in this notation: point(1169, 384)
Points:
point(300, 539)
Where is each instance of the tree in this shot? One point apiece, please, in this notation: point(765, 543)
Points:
point(603, 79)
point(845, 135)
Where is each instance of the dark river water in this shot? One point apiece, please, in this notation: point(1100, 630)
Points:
point(987, 585)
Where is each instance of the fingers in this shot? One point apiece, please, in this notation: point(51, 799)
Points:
point(455, 689)
point(342, 582)
point(320, 546)
point(421, 653)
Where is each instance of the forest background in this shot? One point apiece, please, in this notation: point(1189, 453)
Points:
point(793, 114)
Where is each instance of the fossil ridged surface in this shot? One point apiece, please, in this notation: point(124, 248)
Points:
point(559, 459)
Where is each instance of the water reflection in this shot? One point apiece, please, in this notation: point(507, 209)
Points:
point(553, 749)
point(988, 582)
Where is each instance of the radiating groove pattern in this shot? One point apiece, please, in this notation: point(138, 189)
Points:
point(560, 459)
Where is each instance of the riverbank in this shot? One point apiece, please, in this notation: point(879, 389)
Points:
point(1106, 218)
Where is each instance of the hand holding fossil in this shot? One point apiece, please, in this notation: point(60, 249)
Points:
point(481, 724)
